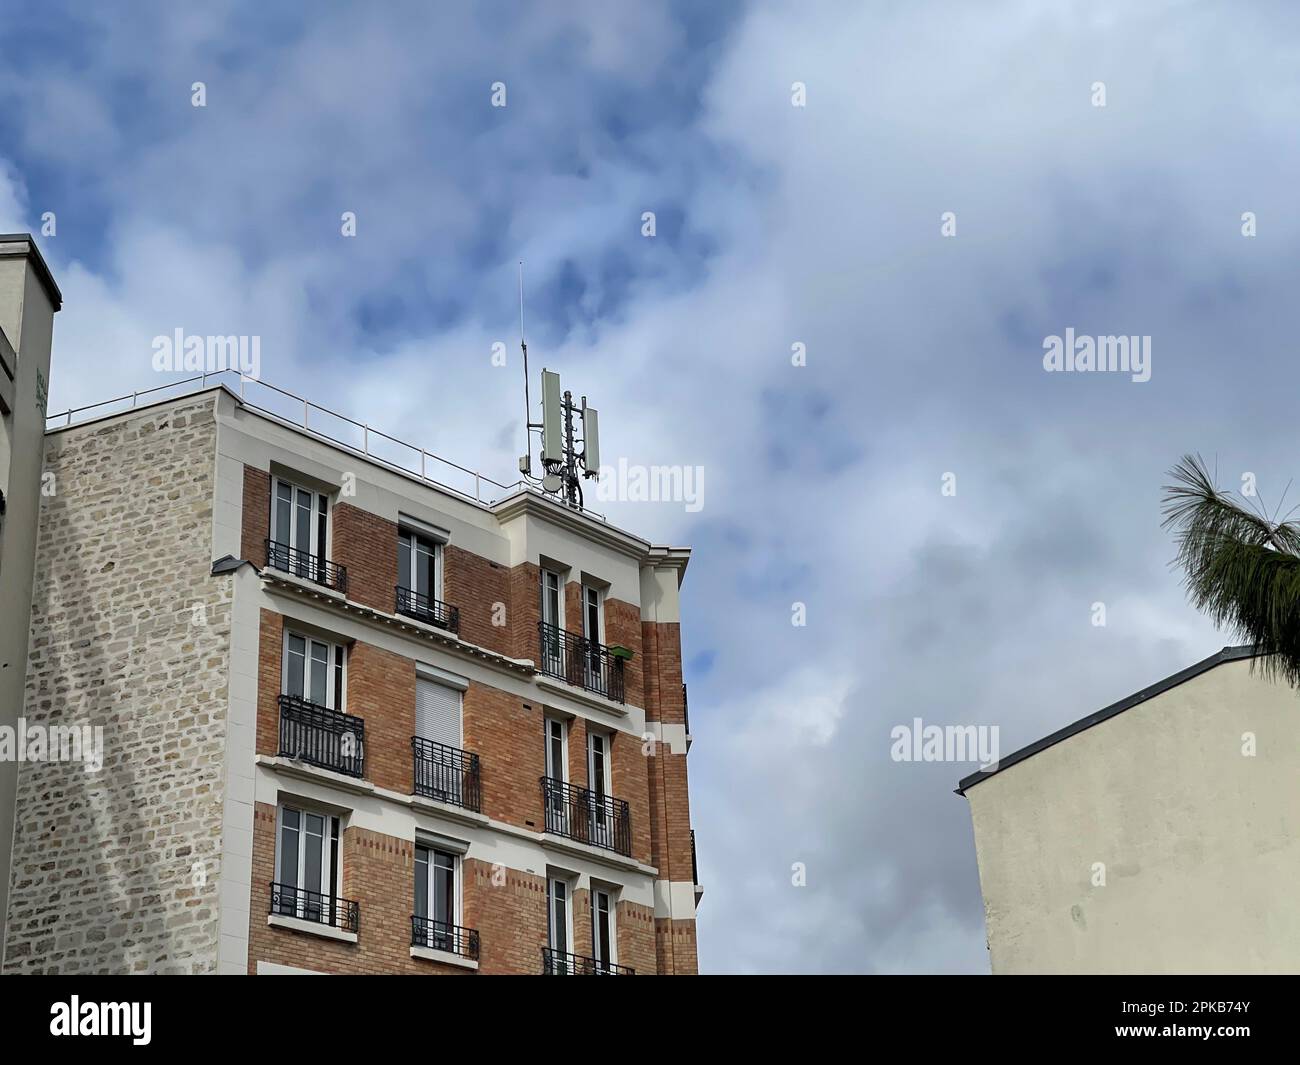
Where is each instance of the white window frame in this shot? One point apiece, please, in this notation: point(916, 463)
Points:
point(558, 619)
point(563, 767)
point(457, 883)
point(334, 699)
point(602, 818)
point(611, 902)
point(593, 597)
point(416, 536)
point(328, 888)
point(558, 812)
point(315, 549)
point(567, 946)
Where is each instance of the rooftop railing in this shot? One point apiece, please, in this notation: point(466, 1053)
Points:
point(358, 437)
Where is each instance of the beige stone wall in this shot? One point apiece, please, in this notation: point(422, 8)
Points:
point(1199, 843)
point(117, 871)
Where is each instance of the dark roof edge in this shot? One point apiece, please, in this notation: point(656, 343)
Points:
point(1227, 654)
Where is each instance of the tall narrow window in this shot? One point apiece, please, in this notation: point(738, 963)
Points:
point(307, 866)
point(436, 901)
point(552, 621)
point(557, 921)
point(602, 929)
point(556, 772)
point(439, 765)
point(602, 811)
point(299, 530)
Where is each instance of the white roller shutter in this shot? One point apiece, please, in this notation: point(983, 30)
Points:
point(437, 712)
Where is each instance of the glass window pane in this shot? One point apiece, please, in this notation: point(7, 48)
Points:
point(404, 560)
point(289, 847)
point(297, 665)
point(302, 529)
point(283, 512)
point(319, 673)
point(421, 882)
point(423, 570)
point(444, 886)
point(314, 851)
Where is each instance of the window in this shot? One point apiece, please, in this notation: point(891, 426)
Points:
point(299, 530)
point(437, 903)
point(439, 767)
point(598, 778)
point(552, 623)
point(552, 607)
point(555, 749)
point(557, 757)
point(557, 917)
point(603, 938)
point(307, 866)
point(419, 565)
point(313, 670)
point(593, 630)
point(592, 625)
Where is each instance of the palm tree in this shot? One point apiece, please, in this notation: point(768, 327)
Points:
point(1240, 567)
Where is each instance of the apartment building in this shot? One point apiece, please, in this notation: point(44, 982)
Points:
point(355, 720)
point(29, 299)
point(1160, 834)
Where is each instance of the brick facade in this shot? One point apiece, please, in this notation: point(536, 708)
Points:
point(120, 871)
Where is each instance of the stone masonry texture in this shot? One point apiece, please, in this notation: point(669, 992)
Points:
point(117, 870)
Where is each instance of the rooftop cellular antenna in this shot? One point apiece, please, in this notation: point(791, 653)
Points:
point(563, 465)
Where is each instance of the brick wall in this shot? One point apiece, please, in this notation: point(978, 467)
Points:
point(506, 734)
point(256, 516)
point(117, 871)
point(481, 590)
point(508, 907)
point(525, 610)
point(381, 691)
point(623, 628)
point(367, 545)
point(379, 873)
point(636, 937)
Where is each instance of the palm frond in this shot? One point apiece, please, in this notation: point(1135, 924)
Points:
point(1239, 567)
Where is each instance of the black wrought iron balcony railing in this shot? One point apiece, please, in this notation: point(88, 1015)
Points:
point(580, 661)
point(322, 737)
point(686, 711)
point(581, 815)
point(438, 935)
point(430, 611)
point(561, 963)
point(309, 567)
point(695, 865)
point(447, 774)
point(290, 901)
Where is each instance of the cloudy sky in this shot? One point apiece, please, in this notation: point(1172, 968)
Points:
point(776, 225)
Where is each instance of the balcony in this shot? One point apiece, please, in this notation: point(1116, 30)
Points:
point(446, 774)
point(585, 817)
point(308, 567)
point(430, 611)
point(312, 906)
point(686, 711)
point(449, 938)
point(322, 737)
point(559, 963)
point(582, 662)
point(695, 865)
